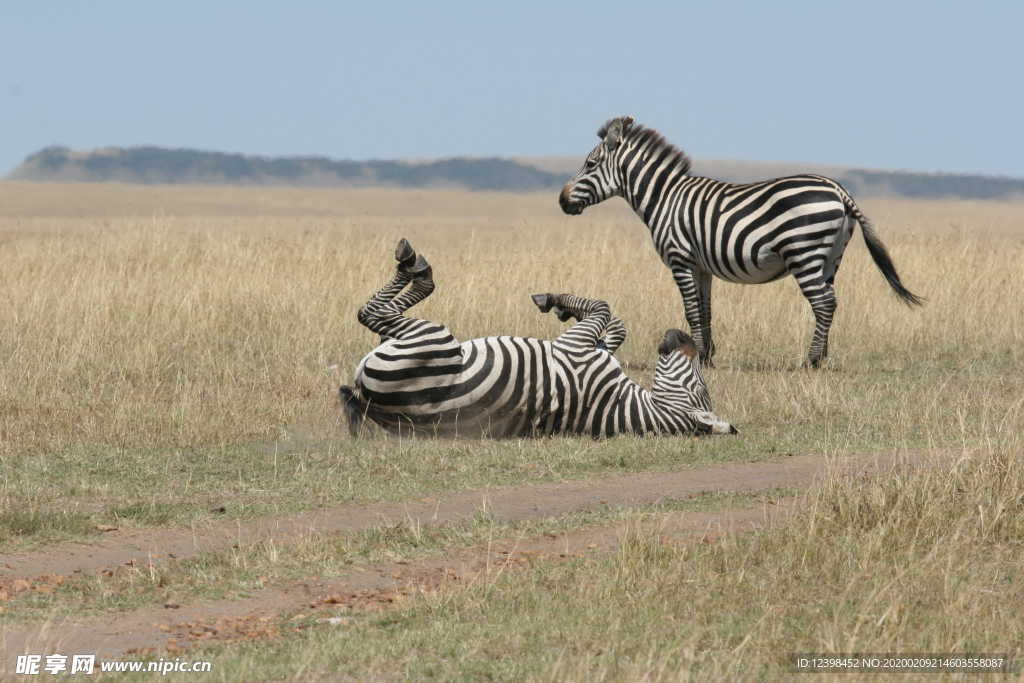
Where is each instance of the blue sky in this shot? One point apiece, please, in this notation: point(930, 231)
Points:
point(928, 86)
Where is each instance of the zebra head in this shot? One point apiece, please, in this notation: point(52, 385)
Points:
point(678, 382)
point(599, 178)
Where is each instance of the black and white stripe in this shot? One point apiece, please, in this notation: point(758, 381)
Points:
point(422, 379)
point(747, 233)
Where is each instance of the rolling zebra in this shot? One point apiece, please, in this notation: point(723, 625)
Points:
point(750, 234)
point(421, 379)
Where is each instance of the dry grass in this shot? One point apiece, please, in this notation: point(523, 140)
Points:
point(166, 350)
point(198, 329)
point(924, 560)
point(243, 568)
point(167, 335)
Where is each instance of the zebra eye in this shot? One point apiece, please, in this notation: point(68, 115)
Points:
point(591, 163)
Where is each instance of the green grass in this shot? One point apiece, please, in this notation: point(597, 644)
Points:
point(837, 411)
point(35, 523)
point(173, 370)
point(925, 559)
point(189, 372)
point(237, 572)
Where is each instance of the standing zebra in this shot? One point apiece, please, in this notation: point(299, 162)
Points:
point(751, 234)
point(421, 379)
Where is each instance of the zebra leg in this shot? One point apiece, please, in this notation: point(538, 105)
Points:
point(614, 332)
point(704, 286)
point(593, 315)
point(383, 312)
point(415, 266)
point(823, 305)
point(688, 286)
point(614, 335)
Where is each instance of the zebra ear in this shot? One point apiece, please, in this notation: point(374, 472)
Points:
point(614, 134)
point(677, 340)
point(616, 129)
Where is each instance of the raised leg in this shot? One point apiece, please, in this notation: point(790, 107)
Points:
point(593, 315)
point(383, 312)
point(614, 332)
point(414, 265)
point(614, 335)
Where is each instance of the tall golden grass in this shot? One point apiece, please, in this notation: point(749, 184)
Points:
point(136, 316)
point(137, 320)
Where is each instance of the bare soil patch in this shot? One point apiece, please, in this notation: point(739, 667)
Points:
point(340, 600)
point(379, 586)
point(118, 547)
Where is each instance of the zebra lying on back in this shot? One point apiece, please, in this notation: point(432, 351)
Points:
point(421, 379)
point(750, 234)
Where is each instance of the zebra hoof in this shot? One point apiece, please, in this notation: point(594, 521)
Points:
point(420, 269)
point(405, 254)
point(543, 301)
point(563, 315)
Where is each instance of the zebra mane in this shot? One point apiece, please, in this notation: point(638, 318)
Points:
point(603, 130)
point(640, 135)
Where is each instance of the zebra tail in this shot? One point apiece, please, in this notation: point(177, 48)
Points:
point(355, 410)
point(880, 255)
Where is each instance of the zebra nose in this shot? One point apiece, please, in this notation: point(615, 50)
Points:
point(563, 198)
point(565, 201)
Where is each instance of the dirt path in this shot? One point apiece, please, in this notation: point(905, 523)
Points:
point(340, 600)
point(505, 504)
point(378, 586)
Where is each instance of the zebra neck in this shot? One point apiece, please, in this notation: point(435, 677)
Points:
point(656, 403)
point(650, 185)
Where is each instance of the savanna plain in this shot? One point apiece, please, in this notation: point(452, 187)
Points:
point(169, 363)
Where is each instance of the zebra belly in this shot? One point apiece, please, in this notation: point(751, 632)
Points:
point(769, 267)
point(501, 386)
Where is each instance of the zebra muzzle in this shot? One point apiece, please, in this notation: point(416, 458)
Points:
point(568, 205)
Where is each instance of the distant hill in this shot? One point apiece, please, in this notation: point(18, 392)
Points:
point(860, 182)
point(931, 185)
point(155, 165)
